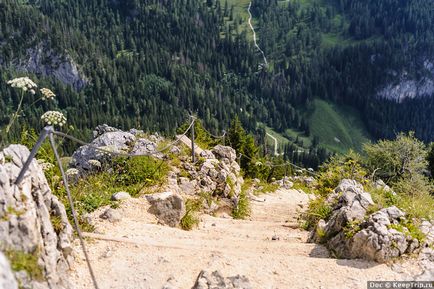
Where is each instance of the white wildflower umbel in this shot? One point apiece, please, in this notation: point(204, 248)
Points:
point(54, 118)
point(24, 83)
point(47, 94)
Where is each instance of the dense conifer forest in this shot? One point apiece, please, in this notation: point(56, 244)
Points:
point(146, 64)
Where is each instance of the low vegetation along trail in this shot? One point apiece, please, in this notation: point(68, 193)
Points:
point(137, 253)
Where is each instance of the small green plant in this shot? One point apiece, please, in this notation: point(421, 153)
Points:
point(8, 159)
point(242, 209)
point(351, 228)
point(382, 198)
point(409, 228)
point(299, 185)
point(190, 219)
point(21, 261)
point(231, 185)
point(12, 211)
point(57, 223)
point(320, 233)
point(318, 209)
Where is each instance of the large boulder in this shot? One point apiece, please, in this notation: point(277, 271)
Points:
point(7, 279)
point(351, 233)
point(224, 152)
point(168, 207)
point(33, 221)
point(377, 240)
point(112, 141)
point(109, 140)
point(216, 280)
point(351, 206)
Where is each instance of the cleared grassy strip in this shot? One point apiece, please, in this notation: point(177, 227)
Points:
point(339, 128)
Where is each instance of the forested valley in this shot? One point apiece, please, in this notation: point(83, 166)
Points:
point(147, 64)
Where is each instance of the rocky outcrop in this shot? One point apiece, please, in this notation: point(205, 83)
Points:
point(407, 86)
point(351, 233)
point(426, 255)
point(7, 279)
point(218, 176)
point(88, 158)
point(33, 221)
point(46, 62)
point(216, 280)
point(168, 207)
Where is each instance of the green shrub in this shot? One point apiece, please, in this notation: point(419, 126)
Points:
point(392, 160)
point(340, 167)
point(318, 209)
point(190, 219)
point(381, 198)
point(131, 175)
point(242, 210)
point(141, 169)
point(409, 229)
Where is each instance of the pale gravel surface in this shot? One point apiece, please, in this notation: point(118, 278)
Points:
point(155, 254)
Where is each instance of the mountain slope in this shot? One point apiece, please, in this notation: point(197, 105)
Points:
point(145, 64)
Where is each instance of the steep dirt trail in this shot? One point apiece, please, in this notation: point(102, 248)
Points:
point(254, 34)
point(149, 254)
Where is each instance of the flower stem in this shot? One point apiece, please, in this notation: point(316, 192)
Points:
point(15, 115)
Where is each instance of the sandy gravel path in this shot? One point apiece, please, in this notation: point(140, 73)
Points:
point(147, 255)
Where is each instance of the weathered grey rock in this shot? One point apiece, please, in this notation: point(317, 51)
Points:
point(145, 147)
point(119, 196)
point(408, 88)
point(284, 183)
point(307, 180)
point(175, 150)
point(111, 215)
point(102, 129)
point(351, 206)
point(379, 184)
point(118, 139)
point(207, 154)
point(224, 152)
point(43, 60)
point(7, 279)
point(426, 263)
point(168, 207)
point(136, 132)
point(112, 141)
point(427, 228)
point(26, 214)
point(216, 280)
point(187, 186)
point(377, 241)
point(216, 176)
point(349, 233)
